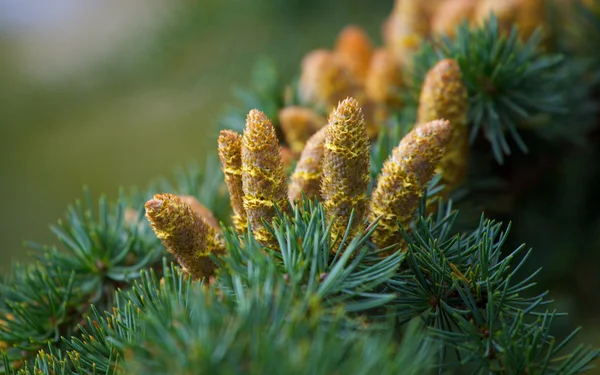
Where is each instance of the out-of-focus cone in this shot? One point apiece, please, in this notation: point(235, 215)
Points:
point(324, 81)
point(451, 14)
point(531, 16)
point(384, 79)
point(298, 125)
point(287, 157)
point(405, 28)
point(506, 12)
point(353, 50)
point(376, 114)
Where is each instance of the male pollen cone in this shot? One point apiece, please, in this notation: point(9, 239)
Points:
point(451, 14)
point(263, 175)
point(185, 235)
point(384, 79)
point(345, 168)
point(404, 29)
point(353, 50)
point(506, 12)
point(403, 179)
point(444, 96)
point(324, 81)
point(307, 175)
point(230, 154)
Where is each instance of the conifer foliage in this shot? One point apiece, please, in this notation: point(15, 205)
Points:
point(355, 261)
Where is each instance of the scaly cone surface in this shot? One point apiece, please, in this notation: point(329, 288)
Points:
point(230, 154)
point(345, 168)
point(444, 96)
point(403, 179)
point(185, 235)
point(201, 211)
point(263, 175)
point(307, 175)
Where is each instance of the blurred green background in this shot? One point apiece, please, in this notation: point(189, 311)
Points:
point(118, 93)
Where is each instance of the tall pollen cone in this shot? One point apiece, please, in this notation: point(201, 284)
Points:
point(298, 125)
point(307, 176)
point(185, 235)
point(345, 168)
point(324, 81)
point(444, 96)
point(230, 154)
point(405, 28)
point(353, 51)
point(263, 176)
point(450, 15)
point(403, 179)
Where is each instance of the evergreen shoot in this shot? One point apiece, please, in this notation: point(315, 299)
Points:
point(329, 241)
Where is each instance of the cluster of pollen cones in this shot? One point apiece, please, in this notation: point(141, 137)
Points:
point(361, 84)
point(333, 168)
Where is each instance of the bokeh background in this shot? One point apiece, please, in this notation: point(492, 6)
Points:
point(116, 93)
